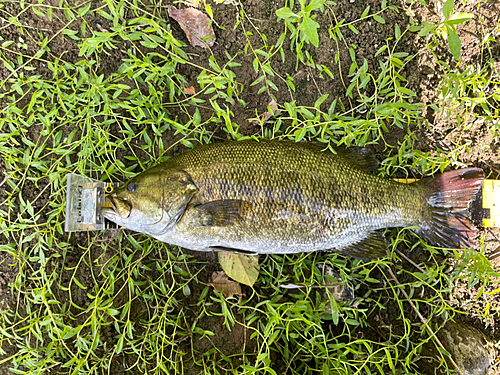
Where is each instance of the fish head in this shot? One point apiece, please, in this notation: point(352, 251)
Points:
point(152, 202)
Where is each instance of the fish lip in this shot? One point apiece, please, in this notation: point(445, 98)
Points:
point(109, 212)
point(111, 200)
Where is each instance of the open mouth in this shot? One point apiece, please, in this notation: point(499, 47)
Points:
point(118, 207)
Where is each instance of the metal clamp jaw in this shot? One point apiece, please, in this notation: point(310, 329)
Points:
point(85, 197)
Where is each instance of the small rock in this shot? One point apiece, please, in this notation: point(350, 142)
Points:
point(471, 350)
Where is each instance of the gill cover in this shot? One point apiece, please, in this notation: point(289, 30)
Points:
point(151, 202)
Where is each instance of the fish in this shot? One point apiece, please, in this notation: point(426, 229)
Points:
point(284, 197)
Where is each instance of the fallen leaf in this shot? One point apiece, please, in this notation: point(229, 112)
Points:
point(195, 24)
point(266, 115)
point(240, 267)
point(222, 284)
point(189, 90)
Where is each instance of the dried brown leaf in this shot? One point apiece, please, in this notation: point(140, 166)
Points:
point(189, 90)
point(266, 115)
point(195, 24)
point(222, 284)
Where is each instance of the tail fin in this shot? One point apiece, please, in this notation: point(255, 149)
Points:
point(448, 222)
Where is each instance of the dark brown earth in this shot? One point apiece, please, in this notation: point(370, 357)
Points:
point(444, 130)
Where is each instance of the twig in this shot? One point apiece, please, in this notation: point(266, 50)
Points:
point(411, 261)
point(4, 179)
point(315, 84)
point(424, 321)
point(489, 165)
point(496, 253)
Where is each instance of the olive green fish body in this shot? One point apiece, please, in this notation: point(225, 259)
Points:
point(295, 199)
point(282, 197)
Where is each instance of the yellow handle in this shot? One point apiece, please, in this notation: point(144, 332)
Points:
point(491, 203)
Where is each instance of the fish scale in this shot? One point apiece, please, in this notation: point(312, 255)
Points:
point(283, 197)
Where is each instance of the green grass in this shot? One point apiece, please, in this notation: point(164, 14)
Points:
point(88, 304)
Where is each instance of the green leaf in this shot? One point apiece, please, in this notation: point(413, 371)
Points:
point(308, 28)
point(454, 43)
point(258, 80)
point(448, 8)
point(79, 283)
point(71, 34)
point(353, 29)
point(209, 11)
point(83, 11)
point(119, 345)
point(365, 12)
point(335, 311)
point(397, 31)
point(380, 50)
point(379, 19)
point(458, 18)
point(389, 359)
point(326, 369)
point(314, 4)
point(427, 28)
point(112, 312)
point(406, 91)
point(241, 268)
point(272, 85)
point(300, 133)
point(266, 68)
point(256, 64)
point(352, 322)
point(318, 102)
point(286, 13)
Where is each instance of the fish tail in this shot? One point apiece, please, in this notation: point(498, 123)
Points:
point(447, 223)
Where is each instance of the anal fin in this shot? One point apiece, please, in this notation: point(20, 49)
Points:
point(371, 247)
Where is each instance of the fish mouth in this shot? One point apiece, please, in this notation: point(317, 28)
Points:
point(118, 207)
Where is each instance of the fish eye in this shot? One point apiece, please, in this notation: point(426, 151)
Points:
point(131, 187)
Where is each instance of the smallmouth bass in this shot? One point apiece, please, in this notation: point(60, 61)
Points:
point(280, 197)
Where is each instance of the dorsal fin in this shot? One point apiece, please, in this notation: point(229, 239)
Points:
point(360, 157)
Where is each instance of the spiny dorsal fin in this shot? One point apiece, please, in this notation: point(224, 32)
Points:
point(371, 247)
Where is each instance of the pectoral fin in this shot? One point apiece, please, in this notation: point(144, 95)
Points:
point(222, 213)
point(371, 247)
